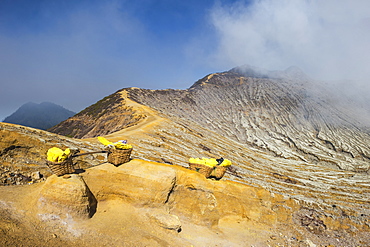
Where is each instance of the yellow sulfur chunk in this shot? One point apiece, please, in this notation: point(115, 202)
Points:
point(204, 161)
point(65, 155)
point(226, 163)
point(104, 141)
point(120, 145)
point(211, 162)
point(55, 154)
point(197, 161)
point(116, 145)
point(201, 161)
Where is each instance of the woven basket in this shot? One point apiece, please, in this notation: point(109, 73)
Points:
point(202, 169)
point(119, 156)
point(61, 168)
point(218, 171)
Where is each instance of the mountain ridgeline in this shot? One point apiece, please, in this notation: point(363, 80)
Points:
point(39, 116)
point(104, 117)
point(284, 113)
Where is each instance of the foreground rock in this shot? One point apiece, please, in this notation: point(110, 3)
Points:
point(141, 185)
point(66, 196)
point(187, 193)
point(166, 220)
point(220, 204)
point(144, 203)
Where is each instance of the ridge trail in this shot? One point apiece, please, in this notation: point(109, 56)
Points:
point(152, 119)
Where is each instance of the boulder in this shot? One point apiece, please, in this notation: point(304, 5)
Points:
point(138, 182)
point(186, 193)
point(166, 220)
point(36, 175)
point(206, 201)
point(65, 197)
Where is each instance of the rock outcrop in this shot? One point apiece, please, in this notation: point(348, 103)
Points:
point(166, 220)
point(185, 193)
point(66, 196)
point(143, 203)
point(189, 196)
point(140, 185)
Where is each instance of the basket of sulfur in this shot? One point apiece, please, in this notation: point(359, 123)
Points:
point(210, 167)
point(220, 169)
point(118, 152)
point(59, 161)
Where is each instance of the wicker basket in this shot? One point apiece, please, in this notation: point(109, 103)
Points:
point(119, 156)
point(61, 168)
point(218, 172)
point(202, 169)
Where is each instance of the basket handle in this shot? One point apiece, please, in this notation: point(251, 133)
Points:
point(220, 160)
point(96, 152)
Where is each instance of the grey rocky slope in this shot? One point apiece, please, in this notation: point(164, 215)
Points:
point(284, 113)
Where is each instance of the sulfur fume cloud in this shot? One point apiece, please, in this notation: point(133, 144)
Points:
point(327, 39)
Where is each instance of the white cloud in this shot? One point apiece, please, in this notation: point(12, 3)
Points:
point(327, 39)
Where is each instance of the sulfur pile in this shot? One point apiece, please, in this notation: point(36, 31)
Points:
point(210, 162)
point(55, 154)
point(115, 145)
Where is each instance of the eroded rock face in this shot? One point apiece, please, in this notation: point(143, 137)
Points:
point(186, 193)
point(288, 116)
point(66, 196)
point(141, 185)
point(207, 201)
point(174, 194)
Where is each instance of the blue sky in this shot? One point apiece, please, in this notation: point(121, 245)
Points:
point(74, 53)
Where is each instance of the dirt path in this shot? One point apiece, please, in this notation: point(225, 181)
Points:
point(142, 127)
point(138, 129)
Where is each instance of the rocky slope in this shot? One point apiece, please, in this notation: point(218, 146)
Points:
point(284, 113)
point(100, 119)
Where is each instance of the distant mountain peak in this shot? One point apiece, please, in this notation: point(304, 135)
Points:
point(292, 73)
point(251, 71)
point(40, 116)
